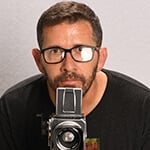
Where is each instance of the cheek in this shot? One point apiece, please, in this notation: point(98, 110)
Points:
point(86, 72)
point(89, 68)
point(52, 70)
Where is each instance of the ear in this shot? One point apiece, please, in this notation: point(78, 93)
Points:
point(38, 60)
point(102, 58)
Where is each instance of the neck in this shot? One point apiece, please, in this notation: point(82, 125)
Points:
point(95, 93)
point(92, 97)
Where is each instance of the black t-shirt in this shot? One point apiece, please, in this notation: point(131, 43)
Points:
point(121, 121)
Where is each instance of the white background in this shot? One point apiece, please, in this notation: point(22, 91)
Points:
point(126, 26)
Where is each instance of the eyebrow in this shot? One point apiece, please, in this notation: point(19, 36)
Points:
point(57, 46)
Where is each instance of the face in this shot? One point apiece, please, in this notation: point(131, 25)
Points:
point(69, 73)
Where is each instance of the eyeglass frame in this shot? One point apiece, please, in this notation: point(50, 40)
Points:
point(94, 48)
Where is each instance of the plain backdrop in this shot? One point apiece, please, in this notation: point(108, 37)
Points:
point(125, 23)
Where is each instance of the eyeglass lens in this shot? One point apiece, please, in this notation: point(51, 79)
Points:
point(80, 54)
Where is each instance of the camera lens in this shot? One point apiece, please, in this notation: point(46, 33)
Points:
point(67, 135)
point(69, 138)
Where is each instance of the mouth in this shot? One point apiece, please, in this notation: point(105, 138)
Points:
point(70, 80)
point(70, 83)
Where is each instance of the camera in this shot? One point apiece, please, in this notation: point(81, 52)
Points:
point(67, 127)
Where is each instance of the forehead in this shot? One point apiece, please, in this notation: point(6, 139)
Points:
point(67, 33)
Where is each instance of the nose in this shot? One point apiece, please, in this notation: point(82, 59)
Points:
point(68, 64)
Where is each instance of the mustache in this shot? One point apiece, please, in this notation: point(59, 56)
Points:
point(69, 75)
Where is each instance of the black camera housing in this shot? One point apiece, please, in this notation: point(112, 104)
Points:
point(67, 128)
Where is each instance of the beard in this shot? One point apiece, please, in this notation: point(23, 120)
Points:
point(85, 83)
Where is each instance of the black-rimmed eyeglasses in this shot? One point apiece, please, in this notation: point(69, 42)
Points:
point(53, 55)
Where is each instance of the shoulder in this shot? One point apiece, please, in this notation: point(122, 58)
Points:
point(121, 79)
point(127, 94)
point(24, 86)
point(127, 90)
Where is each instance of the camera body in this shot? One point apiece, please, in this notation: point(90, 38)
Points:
point(67, 127)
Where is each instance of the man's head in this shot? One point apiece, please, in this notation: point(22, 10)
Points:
point(70, 12)
point(69, 36)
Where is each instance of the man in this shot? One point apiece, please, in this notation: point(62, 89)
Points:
point(117, 108)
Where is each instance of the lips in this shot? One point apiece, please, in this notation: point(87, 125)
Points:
point(70, 83)
point(70, 79)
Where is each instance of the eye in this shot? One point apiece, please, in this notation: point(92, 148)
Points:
point(80, 49)
point(84, 49)
point(55, 51)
